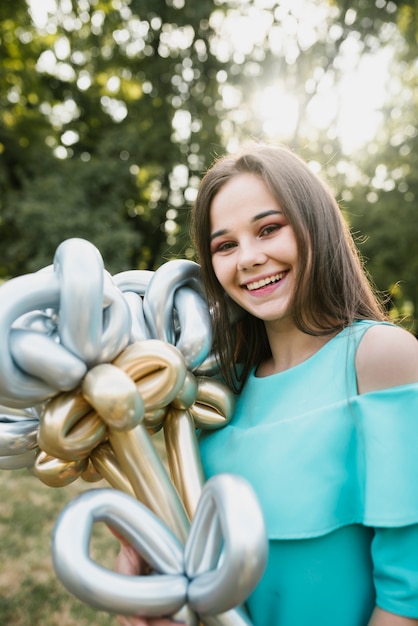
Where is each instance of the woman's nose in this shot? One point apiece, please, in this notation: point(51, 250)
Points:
point(249, 255)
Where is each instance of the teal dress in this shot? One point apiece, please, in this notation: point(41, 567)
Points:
point(336, 474)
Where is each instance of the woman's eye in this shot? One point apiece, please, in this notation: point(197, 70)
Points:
point(224, 246)
point(269, 229)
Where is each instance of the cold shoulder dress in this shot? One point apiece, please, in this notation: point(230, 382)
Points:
point(336, 474)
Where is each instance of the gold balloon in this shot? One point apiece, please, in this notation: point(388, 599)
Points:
point(114, 396)
point(187, 394)
point(69, 429)
point(57, 472)
point(102, 429)
point(158, 369)
point(154, 420)
point(183, 457)
point(149, 478)
point(91, 474)
point(211, 406)
point(106, 463)
point(214, 405)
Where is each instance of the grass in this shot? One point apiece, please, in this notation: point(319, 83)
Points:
point(30, 592)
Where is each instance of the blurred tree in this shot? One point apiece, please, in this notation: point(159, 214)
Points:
point(108, 113)
point(382, 206)
point(382, 203)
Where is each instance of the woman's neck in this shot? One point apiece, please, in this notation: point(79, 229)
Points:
point(289, 347)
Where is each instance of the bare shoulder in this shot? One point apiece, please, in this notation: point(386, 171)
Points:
point(387, 356)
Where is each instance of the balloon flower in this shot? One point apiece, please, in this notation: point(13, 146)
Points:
point(91, 367)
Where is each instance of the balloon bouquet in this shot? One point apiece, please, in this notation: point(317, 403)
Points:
point(91, 367)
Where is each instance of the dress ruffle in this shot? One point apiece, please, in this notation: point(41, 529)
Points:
point(353, 462)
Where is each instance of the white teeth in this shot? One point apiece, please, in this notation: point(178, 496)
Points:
point(265, 281)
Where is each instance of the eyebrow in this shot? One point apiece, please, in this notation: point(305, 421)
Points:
point(256, 218)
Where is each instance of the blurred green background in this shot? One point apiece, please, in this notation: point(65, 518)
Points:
point(111, 110)
point(30, 592)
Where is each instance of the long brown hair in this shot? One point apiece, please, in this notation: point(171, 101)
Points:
point(332, 288)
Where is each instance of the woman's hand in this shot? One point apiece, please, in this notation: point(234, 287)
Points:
point(130, 563)
point(383, 618)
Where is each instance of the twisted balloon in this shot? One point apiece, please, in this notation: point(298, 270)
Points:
point(215, 571)
point(92, 365)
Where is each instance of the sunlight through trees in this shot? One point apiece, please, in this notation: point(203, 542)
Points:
point(111, 111)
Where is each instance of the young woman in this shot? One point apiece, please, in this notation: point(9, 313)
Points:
point(326, 423)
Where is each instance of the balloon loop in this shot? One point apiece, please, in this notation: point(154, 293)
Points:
point(215, 571)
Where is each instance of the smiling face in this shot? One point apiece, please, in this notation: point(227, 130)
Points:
point(253, 248)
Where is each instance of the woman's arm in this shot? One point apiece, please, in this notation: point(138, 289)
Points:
point(386, 357)
point(383, 618)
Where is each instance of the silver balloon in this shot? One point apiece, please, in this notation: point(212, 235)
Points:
point(116, 322)
point(139, 328)
point(234, 617)
point(195, 337)
point(133, 284)
point(17, 434)
point(79, 268)
point(41, 356)
point(159, 296)
point(218, 570)
point(176, 310)
point(18, 437)
point(58, 322)
point(19, 296)
point(226, 551)
point(103, 589)
point(40, 321)
point(133, 280)
point(173, 309)
point(211, 365)
point(18, 461)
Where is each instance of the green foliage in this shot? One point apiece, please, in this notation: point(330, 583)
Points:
point(383, 209)
point(88, 133)
point(111, 111)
